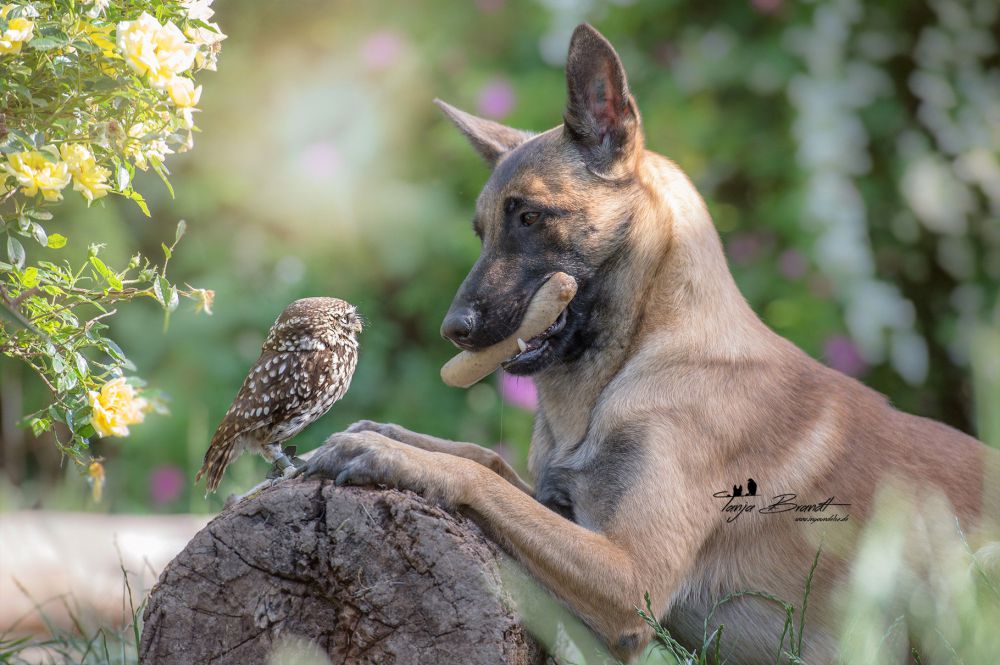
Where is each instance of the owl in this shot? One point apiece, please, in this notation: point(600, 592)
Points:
point(305, 365)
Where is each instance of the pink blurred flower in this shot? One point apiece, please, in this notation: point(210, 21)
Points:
point(381, 50)
point(166, 483)
point(496, 99)
point(744, 247)
point(792, 264)
point(841, 354)
point(519, 391)
point(767, 6)
point(321, 160)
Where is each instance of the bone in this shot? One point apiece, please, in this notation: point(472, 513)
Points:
point(549, 301)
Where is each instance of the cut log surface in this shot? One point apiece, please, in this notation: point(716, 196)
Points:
point(367, 576)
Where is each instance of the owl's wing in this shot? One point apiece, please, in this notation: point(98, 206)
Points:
point(270, 397)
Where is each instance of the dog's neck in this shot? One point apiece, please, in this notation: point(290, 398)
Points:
point(675, 291)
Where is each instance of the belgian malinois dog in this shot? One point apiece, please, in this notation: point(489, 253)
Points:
point(661, 396)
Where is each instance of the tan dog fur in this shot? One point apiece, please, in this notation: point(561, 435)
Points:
point(685, 393)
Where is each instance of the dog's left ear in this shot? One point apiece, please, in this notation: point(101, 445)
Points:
point(601, 116)
point(490, 139)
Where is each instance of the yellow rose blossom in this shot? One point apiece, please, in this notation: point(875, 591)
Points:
point(183, 92)
point(203, 300)
point(141, 149)
point(160, 52)
point(34, 173)
point(209, 43)
point(98, 8)
point(89, 179)
point(199, 10)
point(19, 30)
point(100, 36)
point(115, 407)
point(95, 476)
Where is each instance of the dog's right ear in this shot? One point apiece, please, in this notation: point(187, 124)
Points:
point(601, 115)
point(490, 139)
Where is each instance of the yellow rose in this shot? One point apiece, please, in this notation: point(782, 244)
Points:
point(116, 407)
point(95, 476)
point(159, 51)
point(183, 92)
point(100, 36)
point(209, 43)
point(19, 30)
point(203, 300)
point(98, 8)
point(89, 179)
point(34, 173)
point(141, 148)
point(198, 10)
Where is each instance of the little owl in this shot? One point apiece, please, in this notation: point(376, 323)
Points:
point(305, 365)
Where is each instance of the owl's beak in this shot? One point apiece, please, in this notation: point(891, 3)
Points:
point(358, 325)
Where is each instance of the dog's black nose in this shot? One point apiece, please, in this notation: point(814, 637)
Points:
point(458, 325)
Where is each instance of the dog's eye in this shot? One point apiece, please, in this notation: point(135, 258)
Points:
point(529, 218)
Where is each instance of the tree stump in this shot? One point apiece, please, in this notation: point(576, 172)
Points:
point(366, 576)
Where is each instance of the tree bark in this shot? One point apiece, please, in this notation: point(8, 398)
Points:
point(365, 576)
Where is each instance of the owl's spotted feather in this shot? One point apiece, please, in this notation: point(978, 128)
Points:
point(305, 366)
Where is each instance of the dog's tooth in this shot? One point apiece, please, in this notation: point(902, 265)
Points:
point(521, 345)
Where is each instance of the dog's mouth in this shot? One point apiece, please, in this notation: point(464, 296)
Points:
point(533, 349)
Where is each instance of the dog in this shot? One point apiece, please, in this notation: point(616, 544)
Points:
point(659, 389)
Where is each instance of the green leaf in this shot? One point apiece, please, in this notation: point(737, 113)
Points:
point(161, 171)
point(39, 425)
point(112, 349)
point(174, 299)
point(123, 178)
point(57, 241)
point(141, 202)
point(39, 233)
point(43, 215)
point(158, 292)
point(110, 277)
point(29, 277)
point(179, 233)
point(100, 266)
point(46, 43)
point(166, 250)
point(81, 365)
point(15, 251)
point(165, 295)
point(66, 382)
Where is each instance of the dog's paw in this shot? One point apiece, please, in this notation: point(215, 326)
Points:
point(365, 426)
point(368, 458)
point(388, 430)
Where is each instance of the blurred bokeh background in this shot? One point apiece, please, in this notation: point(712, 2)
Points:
point(849, 153)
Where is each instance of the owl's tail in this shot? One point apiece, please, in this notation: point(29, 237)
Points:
point(217, 458)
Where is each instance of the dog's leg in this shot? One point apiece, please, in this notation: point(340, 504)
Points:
point(602, 576)
point(478, 454)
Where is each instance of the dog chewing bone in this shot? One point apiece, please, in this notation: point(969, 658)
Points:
point(545, 307)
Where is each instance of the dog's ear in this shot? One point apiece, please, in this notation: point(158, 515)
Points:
point(490, 139)
point(601, 116)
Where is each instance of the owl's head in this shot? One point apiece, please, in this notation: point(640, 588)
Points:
point(312, 324)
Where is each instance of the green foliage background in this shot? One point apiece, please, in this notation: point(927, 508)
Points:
point(324, 169)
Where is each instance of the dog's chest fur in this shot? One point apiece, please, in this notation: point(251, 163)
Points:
point(584, 482)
